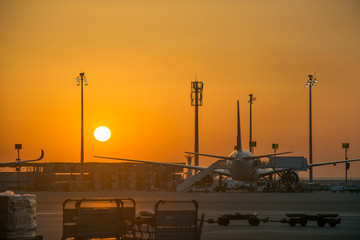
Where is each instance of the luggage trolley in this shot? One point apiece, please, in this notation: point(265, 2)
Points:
point(177, 220)
point(252, 219)
point(321, 219)
point(98, 218)
point(69, 218)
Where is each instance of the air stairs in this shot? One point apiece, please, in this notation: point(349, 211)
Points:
point(190, 181)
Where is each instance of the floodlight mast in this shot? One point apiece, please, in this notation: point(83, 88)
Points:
point(312, 82)
point(80, 82)
point(251, 143)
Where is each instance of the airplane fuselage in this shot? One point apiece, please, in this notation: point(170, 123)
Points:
point(242, 169)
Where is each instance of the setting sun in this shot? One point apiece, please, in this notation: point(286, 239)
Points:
point(102, 134)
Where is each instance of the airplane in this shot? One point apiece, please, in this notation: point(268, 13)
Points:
point(18, 164)
point(241, 165)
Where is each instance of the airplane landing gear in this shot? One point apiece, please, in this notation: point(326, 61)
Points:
point(222, 185)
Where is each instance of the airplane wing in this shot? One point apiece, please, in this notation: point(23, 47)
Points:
point(266, 155)
point(17, 163)
point(159, 163)
point(332, 163)
point(219, 171)
point(208, 155)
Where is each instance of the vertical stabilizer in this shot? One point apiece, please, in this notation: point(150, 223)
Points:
point(239, 148)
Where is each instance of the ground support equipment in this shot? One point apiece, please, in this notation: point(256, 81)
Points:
point(177, 223)
point(172, 220)
point(89, 218)
point(287, 181)
point(99, 218)
point(303, 219)
point(225, 219)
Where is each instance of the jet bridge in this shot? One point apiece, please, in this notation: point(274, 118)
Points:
point(294, 163)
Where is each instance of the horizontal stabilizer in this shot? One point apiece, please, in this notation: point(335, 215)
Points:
point(208, 155)
point(266, 155)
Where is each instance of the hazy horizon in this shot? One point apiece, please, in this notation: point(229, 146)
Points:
point(139, 58)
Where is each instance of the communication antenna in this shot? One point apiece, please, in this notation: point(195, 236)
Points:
point(196, 96)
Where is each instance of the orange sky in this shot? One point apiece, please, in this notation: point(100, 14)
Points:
point(139, 58)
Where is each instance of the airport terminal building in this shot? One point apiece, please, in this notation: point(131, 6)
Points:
point(92, 176)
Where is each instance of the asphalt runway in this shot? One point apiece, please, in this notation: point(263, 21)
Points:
point(272, 205)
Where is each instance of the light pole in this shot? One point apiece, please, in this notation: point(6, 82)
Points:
point(275, 146)
point(18, 147)
point(196, 100)
point(310, 84)
point(251, 143)
point(80, 82)
point(347, 165)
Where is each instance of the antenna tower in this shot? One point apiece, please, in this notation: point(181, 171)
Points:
point(196, 100)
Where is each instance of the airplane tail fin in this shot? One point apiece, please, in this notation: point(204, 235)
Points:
point(239, 148)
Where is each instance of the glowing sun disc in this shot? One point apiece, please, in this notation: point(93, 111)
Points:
point(102, 134)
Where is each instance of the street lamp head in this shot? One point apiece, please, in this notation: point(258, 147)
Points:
point(311, 82)
point(315, 82)
point(345, 145)
point(252, 98)
point(81, 79)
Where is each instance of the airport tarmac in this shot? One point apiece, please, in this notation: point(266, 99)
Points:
point(272, 205)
